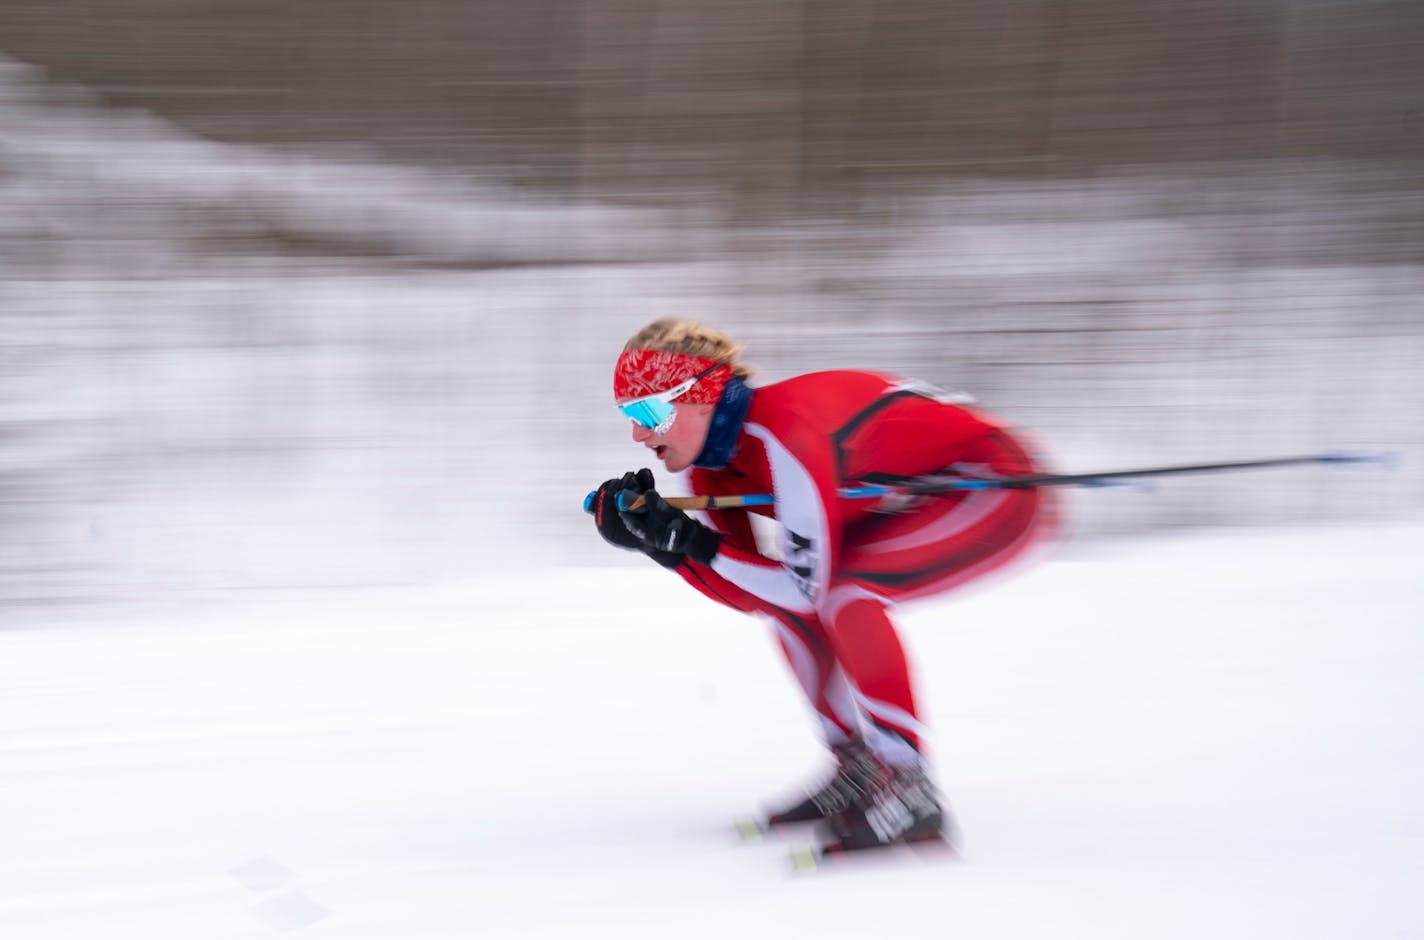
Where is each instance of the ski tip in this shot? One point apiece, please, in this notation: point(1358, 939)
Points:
point(925, 849)
point(751, 830)
point(804, 859)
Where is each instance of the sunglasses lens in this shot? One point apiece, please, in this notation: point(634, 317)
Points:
point(647, 412)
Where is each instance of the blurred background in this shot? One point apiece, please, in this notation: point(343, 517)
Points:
point(313, 294)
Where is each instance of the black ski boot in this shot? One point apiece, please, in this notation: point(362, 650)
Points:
point(856, 772)
point(900, 807)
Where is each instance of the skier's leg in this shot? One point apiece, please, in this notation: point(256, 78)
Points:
point(869, 650)
point(947, 543)
point(943, 544)
point(843, 723)
point(808, 652)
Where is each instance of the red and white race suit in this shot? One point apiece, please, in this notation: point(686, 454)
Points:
point(844, 561)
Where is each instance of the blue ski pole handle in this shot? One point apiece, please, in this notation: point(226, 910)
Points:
point(951, 482)
point(693, 502)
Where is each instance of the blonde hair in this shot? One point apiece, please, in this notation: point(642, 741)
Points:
point(694, 339)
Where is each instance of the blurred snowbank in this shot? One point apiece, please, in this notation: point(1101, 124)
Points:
point(125, 191)
point(226, 366)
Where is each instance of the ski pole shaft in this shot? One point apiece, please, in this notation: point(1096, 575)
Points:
point(1101, 479)
point(951, 482)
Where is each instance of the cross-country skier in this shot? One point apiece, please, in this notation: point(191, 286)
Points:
point(844, 562)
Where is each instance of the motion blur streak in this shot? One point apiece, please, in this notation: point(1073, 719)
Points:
point(301, 296)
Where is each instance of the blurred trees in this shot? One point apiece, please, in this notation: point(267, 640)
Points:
point(781, 103)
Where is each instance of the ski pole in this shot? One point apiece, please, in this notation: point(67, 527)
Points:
point(951, 482)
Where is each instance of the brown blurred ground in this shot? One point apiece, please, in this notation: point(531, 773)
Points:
point(779, 104)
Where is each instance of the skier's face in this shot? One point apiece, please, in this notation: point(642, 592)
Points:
point(680, 444)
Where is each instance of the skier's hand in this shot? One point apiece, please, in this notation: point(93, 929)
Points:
point(667, 534)
point(605, 508)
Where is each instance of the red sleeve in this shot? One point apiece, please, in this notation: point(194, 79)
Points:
point(738, 539)
point(802, 470)
point(734, 525)
point(801, 466)
point(804, 478)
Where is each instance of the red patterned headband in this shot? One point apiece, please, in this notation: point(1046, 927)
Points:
point(642, 372)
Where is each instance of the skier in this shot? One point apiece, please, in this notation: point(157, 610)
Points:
point(843, 562)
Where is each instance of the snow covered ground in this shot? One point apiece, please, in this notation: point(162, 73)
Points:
point(1195, 736)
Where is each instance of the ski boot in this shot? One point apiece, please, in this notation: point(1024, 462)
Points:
point(900, 807)
point(855, 772)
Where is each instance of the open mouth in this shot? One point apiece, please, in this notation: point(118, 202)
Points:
point(660, 451)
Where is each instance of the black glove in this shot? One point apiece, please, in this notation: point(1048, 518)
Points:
point(605, 508)
point(667, 533)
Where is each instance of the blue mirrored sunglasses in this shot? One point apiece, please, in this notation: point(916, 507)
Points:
point(655, 412)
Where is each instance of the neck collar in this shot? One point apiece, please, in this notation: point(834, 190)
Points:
point(726, 425)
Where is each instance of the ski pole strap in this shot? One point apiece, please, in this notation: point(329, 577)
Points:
point(949, 482)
